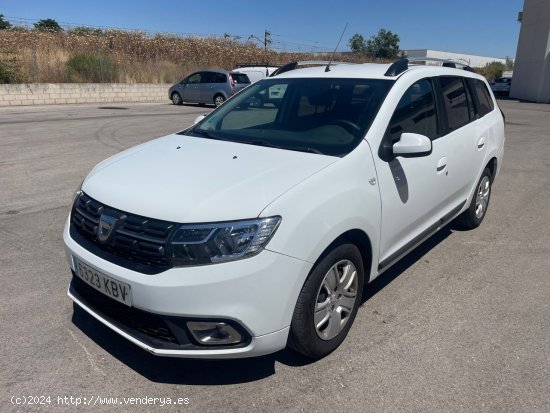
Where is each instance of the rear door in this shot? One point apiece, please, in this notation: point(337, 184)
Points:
point(208, 85)
point(461, 139)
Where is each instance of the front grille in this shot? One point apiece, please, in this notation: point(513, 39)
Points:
point(141, 243)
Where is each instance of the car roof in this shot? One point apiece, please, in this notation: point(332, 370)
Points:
point(373, 71)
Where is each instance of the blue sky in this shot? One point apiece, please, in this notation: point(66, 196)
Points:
point(483, 27)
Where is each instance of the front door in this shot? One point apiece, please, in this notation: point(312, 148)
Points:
point(191, 90)
point(412, 188)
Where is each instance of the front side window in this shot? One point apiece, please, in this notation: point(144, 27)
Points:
point(324, 116)
point(416, 112)
point(194, 78)
point(455, 101)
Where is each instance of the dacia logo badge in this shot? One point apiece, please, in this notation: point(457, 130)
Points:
point(107, 224)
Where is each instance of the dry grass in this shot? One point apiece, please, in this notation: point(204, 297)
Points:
point(42, 56)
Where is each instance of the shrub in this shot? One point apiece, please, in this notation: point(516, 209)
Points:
point(9, 68)
point(92, 68)
point(85, 31)
point(8, 74)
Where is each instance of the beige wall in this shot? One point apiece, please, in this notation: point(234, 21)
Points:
point(532, 66)
point(49, 93)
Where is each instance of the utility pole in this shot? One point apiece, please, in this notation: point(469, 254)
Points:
point(267, 39)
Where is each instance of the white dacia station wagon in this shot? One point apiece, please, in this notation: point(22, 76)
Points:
point(258, 227)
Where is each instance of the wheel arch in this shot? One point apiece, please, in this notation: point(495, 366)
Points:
point(358, 238)
point(492, 165)
point(219, 93)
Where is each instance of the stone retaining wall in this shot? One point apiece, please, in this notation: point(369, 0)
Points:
point(62, 93)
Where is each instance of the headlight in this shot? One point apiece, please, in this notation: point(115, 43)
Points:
point(77, 192)
point(227, 241)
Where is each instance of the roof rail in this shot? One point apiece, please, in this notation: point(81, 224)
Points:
point(297, 64)
point(255, 65)
point(402, 65)
point(397, 67)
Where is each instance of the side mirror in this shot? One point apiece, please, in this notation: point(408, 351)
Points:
point(412, 144)
point(183, 82)
point(198, 119)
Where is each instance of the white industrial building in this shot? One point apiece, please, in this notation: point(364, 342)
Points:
point(532, 66)
point(468, 59)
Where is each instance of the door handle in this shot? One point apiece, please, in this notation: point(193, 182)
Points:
point(481, 142)
point(442, 164)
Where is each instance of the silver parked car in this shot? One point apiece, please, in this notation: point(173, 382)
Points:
point(208, 87)
point(501, 86)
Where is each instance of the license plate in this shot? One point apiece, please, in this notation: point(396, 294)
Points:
point(117, 290)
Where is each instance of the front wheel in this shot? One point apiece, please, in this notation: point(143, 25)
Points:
point(328, 303)
point(218, 100)
point(473, 216)
point(176, 98)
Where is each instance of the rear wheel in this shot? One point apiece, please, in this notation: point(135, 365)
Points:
point(328, 303)
point(473, 216)
point(218, 100)
point(176, 98)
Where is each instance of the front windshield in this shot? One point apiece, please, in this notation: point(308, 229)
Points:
point(324, 116)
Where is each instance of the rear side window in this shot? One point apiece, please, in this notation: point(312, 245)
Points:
point(455, 101)
point(208, 77)
point(415, 112)
point(220, 78)
point(484, 101)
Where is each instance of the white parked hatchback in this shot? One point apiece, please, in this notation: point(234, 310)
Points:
point(259, 226)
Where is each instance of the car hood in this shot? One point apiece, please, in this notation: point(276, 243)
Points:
point(188, 179)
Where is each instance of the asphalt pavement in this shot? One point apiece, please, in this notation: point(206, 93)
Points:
point(462, 324)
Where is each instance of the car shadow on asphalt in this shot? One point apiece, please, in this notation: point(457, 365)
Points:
point(406, 262)
point(216, 372)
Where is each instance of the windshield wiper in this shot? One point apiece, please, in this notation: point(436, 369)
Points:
point(205, 133)
point(260, 142)
point(307, 149)
point(268, 144)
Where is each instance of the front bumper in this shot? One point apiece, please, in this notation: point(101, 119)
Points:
point(258, 293)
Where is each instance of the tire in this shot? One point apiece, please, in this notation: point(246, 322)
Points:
point(473, 216)
point(327, 301)
point(176, 98)
point(218, 100)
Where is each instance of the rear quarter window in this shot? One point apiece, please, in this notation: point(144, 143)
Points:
point(484, 102)
point(240, 78)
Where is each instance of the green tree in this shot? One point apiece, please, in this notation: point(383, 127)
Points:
point(48, 25)
point(357, 43)
point(385, 45)
point(4, 24)
point(492, 70)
